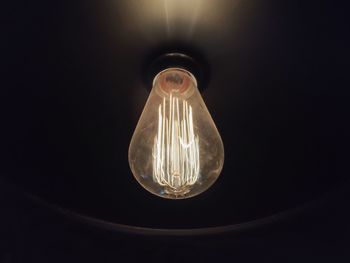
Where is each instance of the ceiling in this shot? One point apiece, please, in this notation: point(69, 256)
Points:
point(74, 89)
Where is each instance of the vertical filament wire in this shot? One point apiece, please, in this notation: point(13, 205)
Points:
point(176, 147)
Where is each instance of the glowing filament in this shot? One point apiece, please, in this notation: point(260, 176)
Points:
point(176, 148)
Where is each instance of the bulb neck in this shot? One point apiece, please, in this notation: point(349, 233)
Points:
point(180, 61)
point(175, 81)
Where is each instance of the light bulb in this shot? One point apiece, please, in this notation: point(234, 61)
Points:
point(176, 150)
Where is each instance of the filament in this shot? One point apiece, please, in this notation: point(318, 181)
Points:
point(176, 147)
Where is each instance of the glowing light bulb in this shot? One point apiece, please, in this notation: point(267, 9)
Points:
point(176, 150)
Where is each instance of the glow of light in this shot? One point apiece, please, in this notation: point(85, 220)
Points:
point(156, 20)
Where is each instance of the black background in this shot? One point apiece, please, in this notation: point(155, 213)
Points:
point(71, 94)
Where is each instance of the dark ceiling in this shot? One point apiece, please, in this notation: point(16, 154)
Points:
point(73, 89)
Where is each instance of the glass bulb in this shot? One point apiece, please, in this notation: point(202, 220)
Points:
point(176, 151)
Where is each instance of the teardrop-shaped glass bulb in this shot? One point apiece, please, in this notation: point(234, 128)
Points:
point(176, 150)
